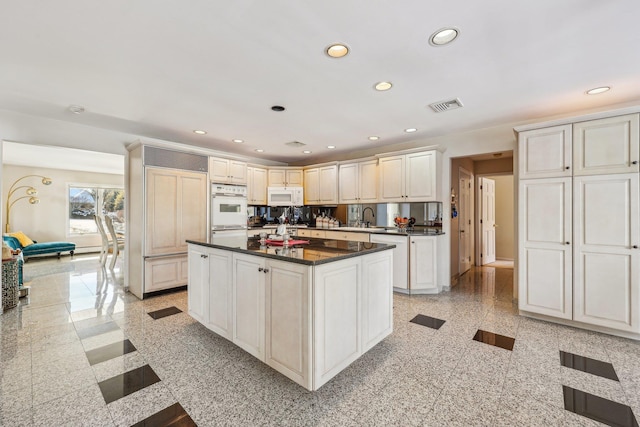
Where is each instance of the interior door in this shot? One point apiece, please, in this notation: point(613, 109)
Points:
point(464, 222)
point(488, 221)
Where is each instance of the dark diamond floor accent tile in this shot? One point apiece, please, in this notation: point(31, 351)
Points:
point(174, 416)
point(111, 351)
point(586, 364)
point(597, 408)
point(494, 339)
point(159, 314)
point(124, 384)
point(103, 328)
point(428, 321)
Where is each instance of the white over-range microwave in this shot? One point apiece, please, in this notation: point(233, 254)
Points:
point(285, 196)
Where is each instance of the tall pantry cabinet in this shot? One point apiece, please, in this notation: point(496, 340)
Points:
point(579, 222)
point(168, 198)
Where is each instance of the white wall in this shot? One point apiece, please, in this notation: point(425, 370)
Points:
point(48, 220)
point(504, 216)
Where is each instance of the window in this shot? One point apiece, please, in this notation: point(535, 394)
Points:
point(87, 201)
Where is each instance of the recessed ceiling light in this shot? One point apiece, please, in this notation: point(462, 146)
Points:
point(337, 50)
point(200, 132)
point(409, 130)
point(597, 90)
point(76, 109)
point(374, 138)
point(307, 152)
point(259, 150)
point(239, 141)
point(382, 86)
point(278, 108)
point(331, 147)
point(444, 36)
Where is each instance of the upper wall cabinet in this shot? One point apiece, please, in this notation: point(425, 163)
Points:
point(606, 146)
point(321, 185)
point(227, 171)
point(409, 177)
point(545, 153)
point(358, 182)
point(256, 186)
point(285, 177)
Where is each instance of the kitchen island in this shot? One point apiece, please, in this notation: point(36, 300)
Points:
point(308, 311)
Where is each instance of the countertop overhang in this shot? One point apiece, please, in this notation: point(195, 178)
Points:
point(316, 252)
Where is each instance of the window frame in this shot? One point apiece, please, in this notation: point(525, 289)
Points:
point(99, 202)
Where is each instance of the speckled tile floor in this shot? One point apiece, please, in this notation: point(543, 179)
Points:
point(417, 376)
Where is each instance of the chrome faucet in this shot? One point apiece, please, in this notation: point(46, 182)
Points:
point(372, 214)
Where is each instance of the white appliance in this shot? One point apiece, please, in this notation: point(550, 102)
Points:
point(228, 213)
point(285, 196)
point(230, 238)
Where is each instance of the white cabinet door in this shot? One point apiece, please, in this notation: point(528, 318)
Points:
point(423, 273)
point(606, 146)
point(545, 255)
point(295, 178)
point(420, 184)
point(277, 177)
point(337, 318)
point(328, 184)
point(192, 208)
point(176, 210)
point(248, 304)
point(368, 182)
point(237, 172)
point(311, 186)
point(162, 211)
point(218, 170)
point(288, 320)
point(400, 258)
point(164, 273)
point(198, 282)
point(607, 261)
point(392, 179)
point(257, 186)
point(219, 266)
point(545, 153)
point(227, 171)
point(286, 178)
point(348, 179)
point(377, 298)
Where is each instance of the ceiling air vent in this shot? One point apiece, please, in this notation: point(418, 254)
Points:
point(296, 144)
point(442, 106)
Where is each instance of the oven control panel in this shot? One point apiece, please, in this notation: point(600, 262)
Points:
point(228, 190)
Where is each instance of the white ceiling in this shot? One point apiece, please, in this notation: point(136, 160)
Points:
point(161, 69)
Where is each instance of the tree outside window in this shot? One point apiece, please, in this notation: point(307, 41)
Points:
point(85, 202)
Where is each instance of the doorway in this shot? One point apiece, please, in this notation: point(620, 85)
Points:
point(496, 221)
point(491, 242)
point(465, 221)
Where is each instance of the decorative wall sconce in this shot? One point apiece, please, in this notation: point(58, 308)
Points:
point(30, 192)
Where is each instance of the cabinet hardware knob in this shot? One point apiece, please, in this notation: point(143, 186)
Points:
point(635, 162)
point(567, 167)
point(205, 256)
point(266, 270)
point(635, 246)
point(567, 243)
point(260, 269)
point(413, 243)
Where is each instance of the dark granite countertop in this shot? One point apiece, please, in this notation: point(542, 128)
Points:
point(316, 252)
point(387, 230)
point(417, 231)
